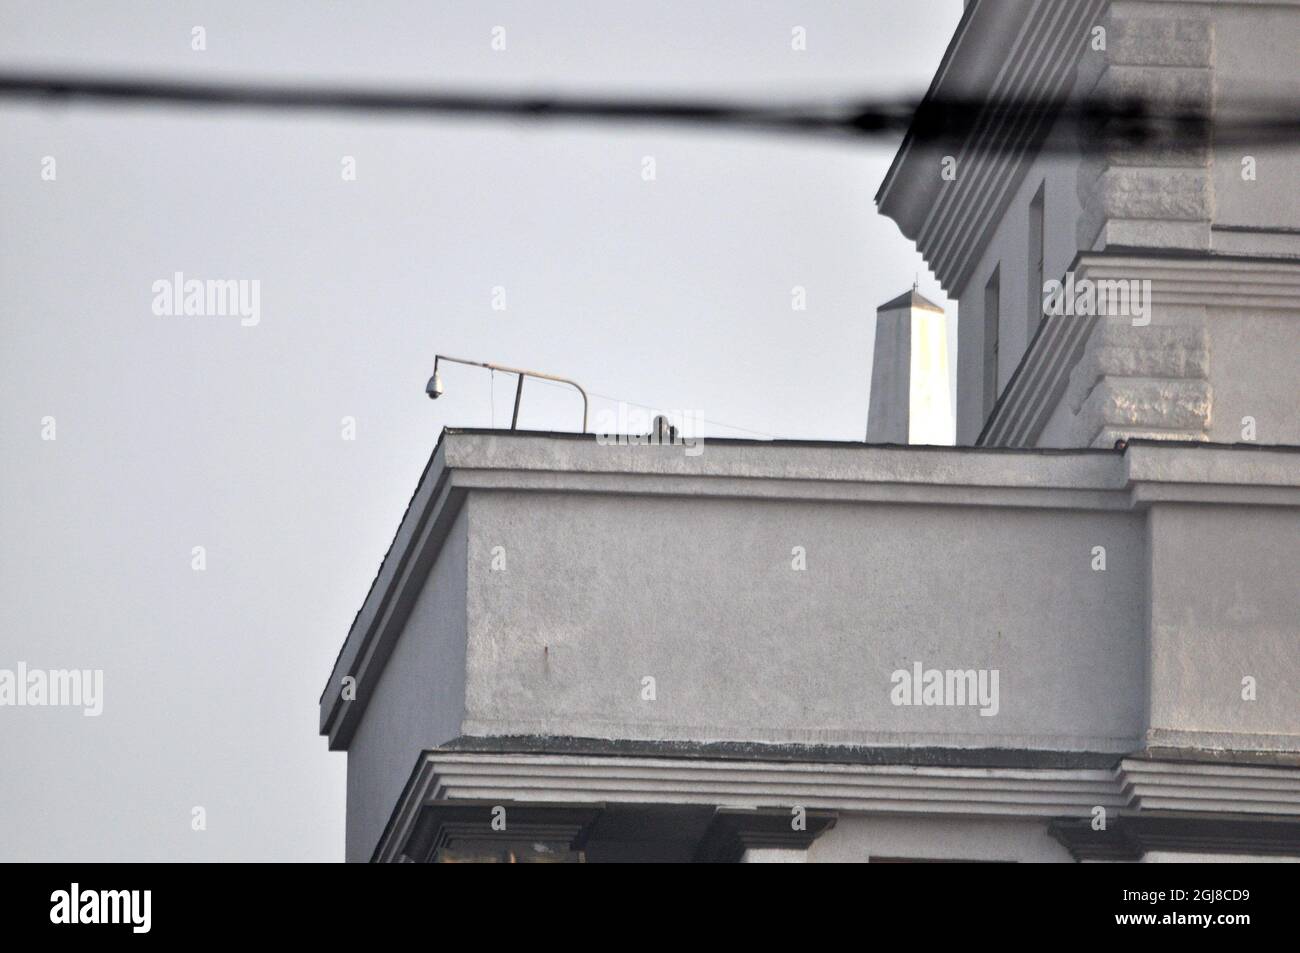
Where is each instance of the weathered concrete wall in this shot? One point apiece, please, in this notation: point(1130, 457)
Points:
point(1255, 57)
point(601, 592)
point(1224, 608)
point(771, 591)
point(1254, 372)
point(419, 701)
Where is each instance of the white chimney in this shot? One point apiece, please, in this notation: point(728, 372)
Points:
point(910, 397)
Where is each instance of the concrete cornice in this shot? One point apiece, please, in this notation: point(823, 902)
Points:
point(1220, 281)
point(489, 461)
point(1177, 786)
point(1138, 786)
point(1080, 479)
point(1039, 44)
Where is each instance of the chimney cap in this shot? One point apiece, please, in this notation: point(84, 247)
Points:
point(910, 299)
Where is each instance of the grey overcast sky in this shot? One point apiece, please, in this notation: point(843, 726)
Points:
point(177, 432)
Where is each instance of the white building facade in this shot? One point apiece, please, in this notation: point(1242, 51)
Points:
point(1075, 636)
point(1214, 227)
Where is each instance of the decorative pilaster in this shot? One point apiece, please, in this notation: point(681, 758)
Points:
point(1152, 197)
point(1149, 382)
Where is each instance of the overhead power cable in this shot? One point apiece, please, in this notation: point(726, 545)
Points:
point(1073, 125)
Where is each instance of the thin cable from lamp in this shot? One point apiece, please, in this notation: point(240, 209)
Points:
point(707, 420)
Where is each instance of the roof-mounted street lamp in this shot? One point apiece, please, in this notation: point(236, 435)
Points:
point(434, 387)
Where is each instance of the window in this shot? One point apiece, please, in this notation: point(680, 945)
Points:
point(1036, 262)
point(992, 306)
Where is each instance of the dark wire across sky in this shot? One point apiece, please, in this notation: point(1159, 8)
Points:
point(1066, 125)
